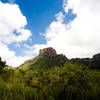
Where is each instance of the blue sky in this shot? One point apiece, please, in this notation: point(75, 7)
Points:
point(39, 14)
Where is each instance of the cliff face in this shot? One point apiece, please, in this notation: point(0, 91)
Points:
point(97, 57)
point(48, 52)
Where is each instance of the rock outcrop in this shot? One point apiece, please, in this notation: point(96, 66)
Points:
point(93, 62)
point(60, 59)
point(47, 58)
point(96, 57)
point(48, 52)
point(83, 61)
point(96, 61)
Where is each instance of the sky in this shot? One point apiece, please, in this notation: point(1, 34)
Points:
point(72, 27)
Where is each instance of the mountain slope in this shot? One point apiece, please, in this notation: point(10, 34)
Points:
point(48, 58)
point(41, 62)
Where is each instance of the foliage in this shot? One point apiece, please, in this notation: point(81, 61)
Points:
point(60, 60)
point(42, 62)
point(69, 82)
point(2, 65)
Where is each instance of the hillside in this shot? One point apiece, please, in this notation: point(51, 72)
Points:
point(46, 59)
point(70, 82)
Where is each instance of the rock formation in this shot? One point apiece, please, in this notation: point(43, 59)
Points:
point(96, 57)
point(60, 59)
point(93, 62)
point(48, 52)
point(47, 57)
point(96, 61)
point(83, 61)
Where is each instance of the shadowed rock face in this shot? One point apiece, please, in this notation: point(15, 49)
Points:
point(93, 62)
point(48, 52)
point(96, 61)
point(96, 57)
point(84, 61)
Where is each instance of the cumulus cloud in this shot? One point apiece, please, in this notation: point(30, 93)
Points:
point(34, 49)
point(81, 37)
point(12, 30)
point(11, 21)
point(10, 57)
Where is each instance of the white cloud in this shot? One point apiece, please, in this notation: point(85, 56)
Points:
point(83, 37)
point(11, 21)
point(60, 17)
point(79, 38)
point(34, 49)
point(9, 56)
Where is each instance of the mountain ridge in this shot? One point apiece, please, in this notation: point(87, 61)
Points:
point(49, 57)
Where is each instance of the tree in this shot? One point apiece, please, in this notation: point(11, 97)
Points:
point(2, 64)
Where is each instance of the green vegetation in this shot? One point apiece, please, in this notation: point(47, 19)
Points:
point(2, 65)
point(67, 82)
point(51, 77)
point(44, 63)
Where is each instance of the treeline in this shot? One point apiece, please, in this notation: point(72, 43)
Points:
point(68, 82)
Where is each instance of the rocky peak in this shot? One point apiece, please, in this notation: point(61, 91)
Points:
point(48, 52)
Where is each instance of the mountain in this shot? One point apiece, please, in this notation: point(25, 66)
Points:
point(52, 76)
point(47, 58)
